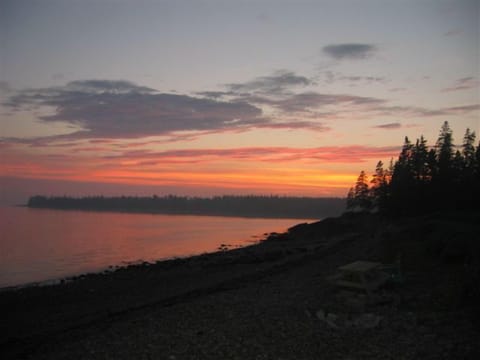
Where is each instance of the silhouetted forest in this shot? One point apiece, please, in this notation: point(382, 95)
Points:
point(423, 179)
point(248, 206)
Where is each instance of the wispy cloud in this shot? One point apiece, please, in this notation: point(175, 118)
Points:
point(463, 84)
point(120, 109)
point(414, 111)
point(331, 77)
point(343, 154)
point(464, 109)
point(350, 51)
point(397, 89)
point(104, 109)
point(216, 94)
point(453, 32)
point(279, 82)
point(314, 100)
point(389, 126)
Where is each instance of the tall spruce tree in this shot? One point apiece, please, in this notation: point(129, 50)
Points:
point(458, 169)
point(403, 179)
point(379, 189)
point(445, 153)
point(476, 177)
point(432, 164)
point(468, 149)
point(420, 161)
point(351, 199)
point(477, 161)
point(444, 186)
point(360, 198)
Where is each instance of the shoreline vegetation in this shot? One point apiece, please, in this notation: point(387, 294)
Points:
point(423, 179)
point(238, 206)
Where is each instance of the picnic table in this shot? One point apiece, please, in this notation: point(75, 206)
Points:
point(361, 275)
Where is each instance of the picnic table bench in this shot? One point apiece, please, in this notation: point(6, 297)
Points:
point(360, 275)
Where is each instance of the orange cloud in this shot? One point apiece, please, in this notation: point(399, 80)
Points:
point(335, 154)
point(306, 171)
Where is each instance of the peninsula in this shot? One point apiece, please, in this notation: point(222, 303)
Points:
point(243, 206)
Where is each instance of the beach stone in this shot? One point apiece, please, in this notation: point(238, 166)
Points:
point(320, 314)
point(367, 321)
point(331, 320)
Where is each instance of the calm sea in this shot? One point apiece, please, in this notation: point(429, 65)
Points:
point(40, 245)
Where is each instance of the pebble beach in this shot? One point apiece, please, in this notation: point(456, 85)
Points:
point(265, 301)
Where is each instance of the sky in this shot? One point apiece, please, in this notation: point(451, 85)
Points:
point(206, 98)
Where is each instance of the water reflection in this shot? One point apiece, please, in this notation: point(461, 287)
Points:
point(38, 244)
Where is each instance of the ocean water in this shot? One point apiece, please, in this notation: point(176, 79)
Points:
point(40, 245)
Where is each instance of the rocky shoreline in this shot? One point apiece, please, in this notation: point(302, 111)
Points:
point(265, 301)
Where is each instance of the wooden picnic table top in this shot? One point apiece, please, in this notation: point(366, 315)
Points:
point(359, 266)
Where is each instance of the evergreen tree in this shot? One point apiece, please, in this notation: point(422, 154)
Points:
point(351, 199)
point(403, 168)
point(420, 160)
point(445, 153)
point(476, 167)
point(379, 176)
point(379, 190)
point(361, 194)
point(458, 168)
point(468, 149)
point(476, 176)
point(432, 164)
point(403, 180)
point(444, 187)
point(424, 179)
point(405, 157)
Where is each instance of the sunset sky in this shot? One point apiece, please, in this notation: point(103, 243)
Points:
point(226, 97)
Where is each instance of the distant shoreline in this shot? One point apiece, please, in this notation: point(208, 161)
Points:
point(226, 206)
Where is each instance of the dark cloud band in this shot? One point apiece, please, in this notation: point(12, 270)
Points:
point(111, 109)
point(390, 126)
point(350, 51)
point(279, 82)
point(103, 109)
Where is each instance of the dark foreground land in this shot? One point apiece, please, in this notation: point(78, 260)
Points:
point(266, 301)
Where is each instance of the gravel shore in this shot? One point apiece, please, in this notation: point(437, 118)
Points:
point(265, 301)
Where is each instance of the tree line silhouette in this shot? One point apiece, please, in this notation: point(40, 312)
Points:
point(423, 178)
point(247, 206)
